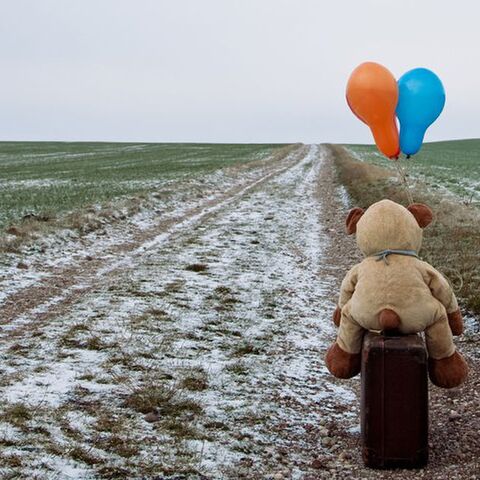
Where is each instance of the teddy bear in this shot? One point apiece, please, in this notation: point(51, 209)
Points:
point(393, 290)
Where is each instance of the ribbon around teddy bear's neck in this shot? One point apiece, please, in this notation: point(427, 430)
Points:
point(385, 253)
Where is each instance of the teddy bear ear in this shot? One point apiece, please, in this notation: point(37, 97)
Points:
point(423, 215)
point(353, 218)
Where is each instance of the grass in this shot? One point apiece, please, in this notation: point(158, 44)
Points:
point(168, 407)
point(247, 347)
point(197, 267)
point(451, 243)
point(238, 368)
point(224, 299)
point(452, 165)
point(122, 446)
point(166, 401)
point(17, 414)
point(195, 380)
point(42, 180)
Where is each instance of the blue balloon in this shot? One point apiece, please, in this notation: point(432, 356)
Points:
point(421, 98)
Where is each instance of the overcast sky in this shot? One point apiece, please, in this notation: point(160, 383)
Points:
point(223, 70)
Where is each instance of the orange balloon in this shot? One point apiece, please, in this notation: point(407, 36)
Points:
point(372, 94)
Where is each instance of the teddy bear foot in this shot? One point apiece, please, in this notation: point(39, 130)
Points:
point(342, 364)
point(448, 372)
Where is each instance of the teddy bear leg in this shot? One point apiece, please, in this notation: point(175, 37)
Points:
point(446, 367)
point(343, 357)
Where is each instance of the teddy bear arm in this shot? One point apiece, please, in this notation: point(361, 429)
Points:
point(346, 291)
point(442, 290)
point(348, 286)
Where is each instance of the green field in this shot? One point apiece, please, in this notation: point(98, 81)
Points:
point(452, 165)
point(51, 178)
point(48, 178)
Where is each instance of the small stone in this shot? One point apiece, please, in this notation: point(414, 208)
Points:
point(14, 231)
point(453, 415)
point(327, 441)
point(22, 265)
point(345, 456)
point(269, 452)
point(89, 258)
point(151, 417)
point(308, 427)
point(319, 463)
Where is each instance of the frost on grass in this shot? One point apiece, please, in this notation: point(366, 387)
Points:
point(93, 232)
point(451, 171)
point(203, 355)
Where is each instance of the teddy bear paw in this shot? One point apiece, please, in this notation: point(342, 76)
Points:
point(342, 364)
point(456, 322)
point(337, 315)
point(448, 372)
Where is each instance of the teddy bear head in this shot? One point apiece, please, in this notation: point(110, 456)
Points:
point(388, 225)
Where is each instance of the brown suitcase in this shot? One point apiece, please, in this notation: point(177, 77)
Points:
point(394, 401)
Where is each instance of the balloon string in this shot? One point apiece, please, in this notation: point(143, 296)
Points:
point(403, 179)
